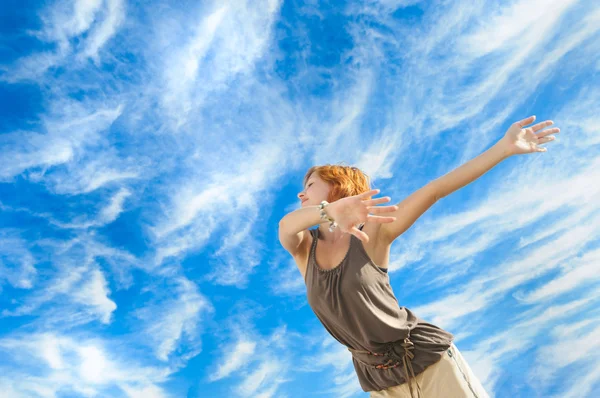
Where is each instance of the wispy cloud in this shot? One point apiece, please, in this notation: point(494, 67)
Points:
point(87, 367)
point(225, 42)
point(254, 364)
point(17, 263)
point(92, 23)
point(82, 294)
point(66, 138)
point(172, 321)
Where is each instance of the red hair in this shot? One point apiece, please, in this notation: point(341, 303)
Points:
point(345, 180)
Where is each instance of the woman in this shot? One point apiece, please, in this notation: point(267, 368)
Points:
point(344, 262)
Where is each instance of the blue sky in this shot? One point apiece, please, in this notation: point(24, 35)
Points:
point(149, 149)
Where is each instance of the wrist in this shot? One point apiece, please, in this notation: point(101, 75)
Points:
point(503, 148)
point(323, 211)
point(325, 216)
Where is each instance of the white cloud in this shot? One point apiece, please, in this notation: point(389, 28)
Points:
point(336, 361)
point(94, 293)
point(513, 24)
point(171, 324)
point(236, 34)
point(17, 263)
point(240, 355)
point(115, 14)
point(256, 365)
point(78, 295)
point(569, 344)
point(68, 134)
point(496, 350)
point(147, 391)
point(87, 367)
point(67, 19)
point(260, 380)
point(579, 274)
point(115, 207)
point(87, 20)
point(75, 289)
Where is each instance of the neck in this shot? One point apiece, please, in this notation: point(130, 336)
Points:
point(330, 237)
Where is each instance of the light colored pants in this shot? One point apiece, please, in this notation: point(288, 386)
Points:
point(450, 377)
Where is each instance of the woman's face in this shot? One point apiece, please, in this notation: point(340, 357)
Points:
point(315, 191)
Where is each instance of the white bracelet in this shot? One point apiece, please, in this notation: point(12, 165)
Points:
point(333, 225)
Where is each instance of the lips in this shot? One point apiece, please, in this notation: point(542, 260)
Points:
point(304, 201)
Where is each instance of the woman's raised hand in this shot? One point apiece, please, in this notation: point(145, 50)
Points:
point(520, 140)
point(353, 210)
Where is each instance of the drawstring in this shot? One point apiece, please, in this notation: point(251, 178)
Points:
point(406, 359)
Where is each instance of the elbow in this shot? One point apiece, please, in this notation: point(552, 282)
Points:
point(281, 227)
point(436, 191)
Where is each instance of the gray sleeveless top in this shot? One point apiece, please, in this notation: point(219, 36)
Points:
point(355, 302)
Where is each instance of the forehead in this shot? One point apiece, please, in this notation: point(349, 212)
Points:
point(313, 176)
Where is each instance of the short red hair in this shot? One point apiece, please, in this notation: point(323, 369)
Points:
point(345, 180)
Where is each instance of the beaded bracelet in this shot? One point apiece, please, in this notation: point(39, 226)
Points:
point(324, 216)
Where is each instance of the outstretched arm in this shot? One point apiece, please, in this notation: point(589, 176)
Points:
point(517, 140)
point(470, 171)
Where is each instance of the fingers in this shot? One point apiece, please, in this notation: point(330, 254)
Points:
point(381, 219)
point(377, 201)
point(544, 133)
point(545, 140)
point(542, 125)
point(369, 193)
point(382, 209)
point(526, 121)
point(359, 234)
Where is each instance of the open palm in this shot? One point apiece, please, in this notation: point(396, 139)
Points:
point(520, 139)
point(350, 211)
